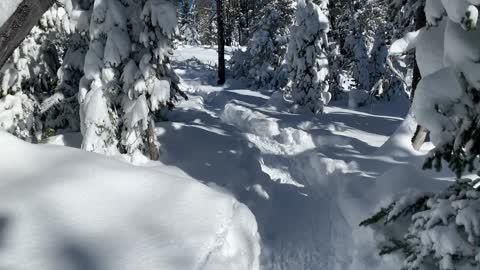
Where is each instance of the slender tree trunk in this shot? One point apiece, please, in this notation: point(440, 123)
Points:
point(152, 142)
point(221, 43)
point(419, 137)
point(421, 133)
point(420, 22)
point(19, 25)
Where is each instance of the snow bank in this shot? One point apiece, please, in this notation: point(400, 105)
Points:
point(63, 209)
point(399, 144)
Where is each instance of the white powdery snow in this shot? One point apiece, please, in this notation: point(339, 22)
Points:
point(308, 180)
point(448, 91)
point(65, 209)
point(250, 121)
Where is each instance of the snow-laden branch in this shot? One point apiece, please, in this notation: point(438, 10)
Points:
point(16, 25)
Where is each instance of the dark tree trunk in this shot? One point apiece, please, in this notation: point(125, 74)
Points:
point(221, 43)
point(421, 133)
point(19, 25)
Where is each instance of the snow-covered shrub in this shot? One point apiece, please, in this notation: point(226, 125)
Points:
point(239, 63)
point(307, 57)
point(444, 229)
point(128, 80)
point(18, 115)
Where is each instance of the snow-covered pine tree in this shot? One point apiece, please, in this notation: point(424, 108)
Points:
point(263, 62)
point(205, 18)
point(30, 76)
point(441, 231)
point(61, 109)
point(188, 31)
point(307, 57)
point(128, 80)
point(390, 74)
point(361, 32)
point(356, 45)
point(432, 231)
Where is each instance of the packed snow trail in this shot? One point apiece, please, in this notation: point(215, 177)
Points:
point(309, 181)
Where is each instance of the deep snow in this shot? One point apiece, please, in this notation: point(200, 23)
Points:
point(65, 209)
point(308, 181)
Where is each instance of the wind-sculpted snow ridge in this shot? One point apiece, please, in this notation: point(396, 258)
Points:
point(64, 209)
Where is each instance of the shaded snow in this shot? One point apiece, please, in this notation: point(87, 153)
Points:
point(63, 209)
point(308, 180)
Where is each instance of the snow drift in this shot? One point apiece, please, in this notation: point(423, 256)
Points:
point(62, 208)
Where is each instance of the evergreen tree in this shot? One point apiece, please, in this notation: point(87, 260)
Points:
point(262, 63)
point(356, 45)
point(30, 76)
point(307, 57)
point(361, 33)
point(128, 80)
point(205, 18)
point(188, 32)
point(441, 231)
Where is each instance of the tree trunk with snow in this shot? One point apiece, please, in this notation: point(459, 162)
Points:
point(152, 142)
point(420, 22)
point(19, 25)
point(421, 133)
point(221, 43)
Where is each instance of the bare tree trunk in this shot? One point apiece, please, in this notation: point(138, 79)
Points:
point(421, 133)
point(152, 142)
point(419, 137)
point(19, 25)
point(221, 43)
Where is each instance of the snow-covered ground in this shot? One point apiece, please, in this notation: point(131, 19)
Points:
point(308, 180)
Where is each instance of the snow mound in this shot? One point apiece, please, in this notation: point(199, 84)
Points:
point(249, 121)
point(62, 208)
point(400, 144)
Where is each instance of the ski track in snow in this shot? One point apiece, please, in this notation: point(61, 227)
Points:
point(291, 170)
